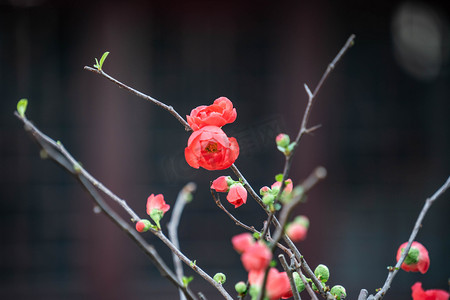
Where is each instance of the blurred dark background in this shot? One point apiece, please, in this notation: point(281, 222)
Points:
point(385, 136)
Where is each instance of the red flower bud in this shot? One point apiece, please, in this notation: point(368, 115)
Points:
point(143, 225)
point(242, 241)
point(210, 148)
point(288, 187)
point(221, 184)
point(237, 195)
point(419, 294)
point(296, 231)
point(256, 257)
point(156, 202)
point(417, 258)
point(217, 114)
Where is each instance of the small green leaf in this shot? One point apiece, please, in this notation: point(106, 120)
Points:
point(279, 177)
point(273, 263)
point(187, 280)
point(193, 263)
point(22, 107)
point(97, 65)
point(102, 59)
point(256, 235)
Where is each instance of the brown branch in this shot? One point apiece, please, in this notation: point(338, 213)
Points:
point(246, 227)
point(168, 108)
point(412, 237)
point(288, 270)
point(56, 152)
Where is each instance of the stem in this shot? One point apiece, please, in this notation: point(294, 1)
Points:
point(168, 108)
point(58, 154)
point(172, 226)
point(412, 237)
point(288, 270)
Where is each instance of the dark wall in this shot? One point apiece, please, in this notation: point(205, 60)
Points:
point(385, 135)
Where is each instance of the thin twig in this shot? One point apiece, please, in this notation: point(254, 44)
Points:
point(246, 227)
point(318, 174)
point(65, 159)
point(57, 153)
point(412, 237)
point(288, 270)
point(168, 108)
point(182, 199)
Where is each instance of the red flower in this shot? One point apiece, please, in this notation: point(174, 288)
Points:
point(277, 283)
point(157, 202)
point(419, 294)
point(210, 148)
point(296, 232)
point(220, 184)
point(256, 257)
point(217, 114)
point(237, 195)
point(242, 241)
point(417, 258)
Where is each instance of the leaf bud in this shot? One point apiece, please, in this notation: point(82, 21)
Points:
point(338, 291)
point(322, 273)
point(240, 287)
point(220, 278)
point(298, 282)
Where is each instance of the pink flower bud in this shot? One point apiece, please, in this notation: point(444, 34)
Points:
point(237, 195)
point(156, 202)
point(221, 184)
point(277, 286)
point(296, 231)
point(417, 259)
point(282, 140)
point(143, 225)
point(242, 241)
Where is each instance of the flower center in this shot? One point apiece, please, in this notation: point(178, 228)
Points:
point(211, 148)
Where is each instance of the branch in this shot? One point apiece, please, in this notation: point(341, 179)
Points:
point(288, 270)
point(412, 237)
point(168, 108)
point(56, 152)
point(239, 223)
point(183, 198)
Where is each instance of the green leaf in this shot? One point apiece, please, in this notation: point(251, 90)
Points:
point(279, 177)
point(22, 107)
point(187, 280)
point(97, 65)
point(102, 60)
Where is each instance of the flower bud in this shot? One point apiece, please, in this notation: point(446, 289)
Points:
point(302, 220)
point(264, 190)
point(282, 140)
point(222, 183)
point(338, 291)
point(143, 225)
point(220, 278)
point(240, 287)
point(298, 282)
point(268, 199)
point(322, 273)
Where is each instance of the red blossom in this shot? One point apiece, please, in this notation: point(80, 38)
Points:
point(210, 148)
point(256, 257)
point(220, 184)
point(420, 263)
point(219, 113)
point(277, 285)
point(237, 195)
point(419, 294)
point(296, 232)
point(156, 202)
point(242, 241)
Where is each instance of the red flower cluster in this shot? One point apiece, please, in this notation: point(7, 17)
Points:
point(419, 294)
point(256, 257)
point(208, 146)
point(237, 194)
point(417, 259)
